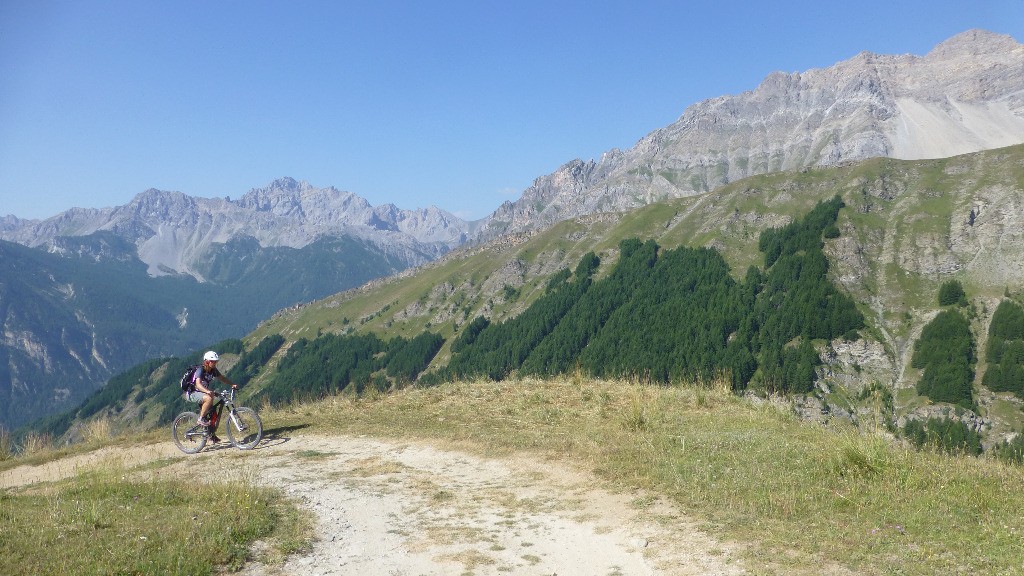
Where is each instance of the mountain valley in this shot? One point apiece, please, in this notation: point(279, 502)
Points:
point(730, 168)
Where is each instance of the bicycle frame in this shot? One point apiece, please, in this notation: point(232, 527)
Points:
point(225, 399)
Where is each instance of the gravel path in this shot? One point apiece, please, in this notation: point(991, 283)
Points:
point(411, 508)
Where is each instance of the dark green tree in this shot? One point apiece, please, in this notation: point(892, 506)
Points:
point(408, 358)
point(326, 365)
point(252, 361)
point(1005, 350)
point(952, 292)
point(945, 351)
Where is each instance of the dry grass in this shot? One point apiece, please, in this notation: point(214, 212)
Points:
point(801, 496)
point(6, 445)
point(97, 430)
point(36, 444)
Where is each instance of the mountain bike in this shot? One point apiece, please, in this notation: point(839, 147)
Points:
point(245, 430)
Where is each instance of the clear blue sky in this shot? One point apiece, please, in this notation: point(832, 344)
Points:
point(454, 104)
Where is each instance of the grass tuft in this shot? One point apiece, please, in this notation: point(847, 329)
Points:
point(861, 456)
point(97, 430)
point(36, 444)
point(6, 445)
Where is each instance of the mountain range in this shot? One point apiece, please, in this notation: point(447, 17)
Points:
point(173, 232)
point(965, 95)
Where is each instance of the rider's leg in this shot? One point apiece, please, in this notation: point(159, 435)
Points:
point(207, 404)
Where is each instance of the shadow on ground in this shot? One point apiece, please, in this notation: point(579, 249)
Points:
point(275, 436)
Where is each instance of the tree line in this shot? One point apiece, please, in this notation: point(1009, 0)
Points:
point(333, 363)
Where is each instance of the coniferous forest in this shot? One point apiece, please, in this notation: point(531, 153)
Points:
point(330, 363)
point(671, 315)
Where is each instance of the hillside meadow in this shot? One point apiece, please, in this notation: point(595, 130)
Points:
point(796, 497)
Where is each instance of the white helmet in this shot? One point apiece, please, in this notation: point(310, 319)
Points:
point(211, 356)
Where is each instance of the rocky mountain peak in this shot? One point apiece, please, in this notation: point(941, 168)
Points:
point(10, 221)
point(288, 197)
point(159, 203)
point(288, 183)
point(973, 43)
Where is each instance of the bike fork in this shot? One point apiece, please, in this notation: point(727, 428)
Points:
point(236, 422)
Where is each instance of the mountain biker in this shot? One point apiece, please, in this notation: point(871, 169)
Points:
point(201, 390)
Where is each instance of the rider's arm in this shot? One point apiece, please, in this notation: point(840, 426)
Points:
point(227, 381)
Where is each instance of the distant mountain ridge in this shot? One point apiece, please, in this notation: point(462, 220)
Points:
point(965, 95)
point(173, 231)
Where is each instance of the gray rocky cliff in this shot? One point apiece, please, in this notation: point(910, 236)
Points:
point(965, 95)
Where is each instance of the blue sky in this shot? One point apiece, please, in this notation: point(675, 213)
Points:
point(454, 104)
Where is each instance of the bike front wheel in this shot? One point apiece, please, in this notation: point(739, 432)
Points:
point(245, 430)
point(189, 436)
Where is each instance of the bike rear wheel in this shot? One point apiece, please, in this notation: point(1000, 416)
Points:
point(188, 436)
point(245, 430)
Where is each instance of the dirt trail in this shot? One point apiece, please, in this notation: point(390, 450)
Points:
point(411, 508)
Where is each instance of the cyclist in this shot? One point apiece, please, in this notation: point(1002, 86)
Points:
point(201, 390)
